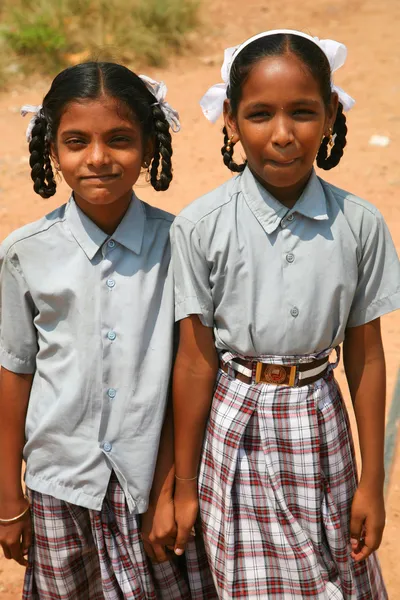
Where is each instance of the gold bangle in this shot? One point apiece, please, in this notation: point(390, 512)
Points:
point(17, 518)
point(185, 479)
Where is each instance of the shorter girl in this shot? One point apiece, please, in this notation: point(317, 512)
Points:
point(273, 270)
point(86, 347)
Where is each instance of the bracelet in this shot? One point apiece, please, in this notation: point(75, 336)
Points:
point(17, 518)
point(185, 479)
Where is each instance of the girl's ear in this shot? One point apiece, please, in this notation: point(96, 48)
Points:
point(148, 154)
point(54, 156)
point(331, 112)
point(230, 123)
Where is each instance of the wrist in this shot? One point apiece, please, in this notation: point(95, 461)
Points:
point(373, 479)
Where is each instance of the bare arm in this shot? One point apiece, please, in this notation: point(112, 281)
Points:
point(193, 384)
point(15, 389)
point(364, 363)
point(158, 523)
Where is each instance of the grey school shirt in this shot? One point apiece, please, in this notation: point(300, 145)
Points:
point(91, 316)
point(284, 282)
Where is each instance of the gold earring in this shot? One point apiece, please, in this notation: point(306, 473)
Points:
point(330, 141)
point(229, 145)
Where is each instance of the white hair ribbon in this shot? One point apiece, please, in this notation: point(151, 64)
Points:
point(159, 91)
point(212, 102)
point(36, 110)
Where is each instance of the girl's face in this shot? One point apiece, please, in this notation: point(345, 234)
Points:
point(280, 122)
point(100, 150)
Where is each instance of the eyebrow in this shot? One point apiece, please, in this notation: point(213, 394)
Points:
point(302, 101)
point(110, 131)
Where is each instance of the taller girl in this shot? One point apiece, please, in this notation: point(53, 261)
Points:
point(273, 271)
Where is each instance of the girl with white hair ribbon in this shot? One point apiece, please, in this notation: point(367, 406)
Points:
point(273, 271)
point(86, 346)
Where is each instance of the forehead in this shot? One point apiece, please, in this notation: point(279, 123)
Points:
point(280, 80)
point(97, 115)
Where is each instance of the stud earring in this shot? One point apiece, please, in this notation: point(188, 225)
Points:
point(229, 145)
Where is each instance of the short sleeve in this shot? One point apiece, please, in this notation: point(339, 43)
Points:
point(191, 273)
point(378, 287)
point(18, 338)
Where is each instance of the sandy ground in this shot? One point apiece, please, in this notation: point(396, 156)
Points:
point(370, 29)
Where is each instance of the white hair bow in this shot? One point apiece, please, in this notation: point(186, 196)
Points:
point(159, 91)
point(212, 102)
point(36, 110)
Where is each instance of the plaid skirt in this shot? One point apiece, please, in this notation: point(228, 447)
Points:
point(82, 554)
point(276, 483)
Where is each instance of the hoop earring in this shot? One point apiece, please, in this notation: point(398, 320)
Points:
point(229, 145)
point(147, 176)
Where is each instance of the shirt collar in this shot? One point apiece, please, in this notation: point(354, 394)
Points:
point(90, 237)
point(270, 212)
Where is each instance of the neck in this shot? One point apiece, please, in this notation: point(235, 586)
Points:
point(287, 196)
point(106, 216)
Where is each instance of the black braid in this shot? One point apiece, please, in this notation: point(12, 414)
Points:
point(162, 152)
point(41, 170)
point(228, 156)
point(340, 130)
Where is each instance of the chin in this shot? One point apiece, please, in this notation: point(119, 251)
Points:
point(102, 196)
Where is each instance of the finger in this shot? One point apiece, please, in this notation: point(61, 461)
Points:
point(362, 554)
point(26, 538)
point(6, 551)
point(182, 539)
point(356, 526)
point(161, 555)
point(148, 548)
point(17, 555)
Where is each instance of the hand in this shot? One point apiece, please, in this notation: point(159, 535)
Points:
point(159, 530)
point(16, 538)
point(186, 509)
point(367, 521)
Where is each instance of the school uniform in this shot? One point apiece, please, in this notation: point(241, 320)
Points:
point(91, 316)
point(279, 287)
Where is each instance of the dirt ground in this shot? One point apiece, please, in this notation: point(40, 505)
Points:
point(370, 29)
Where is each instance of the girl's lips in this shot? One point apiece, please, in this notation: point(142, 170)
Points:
point(283, 163)
point(100, 177)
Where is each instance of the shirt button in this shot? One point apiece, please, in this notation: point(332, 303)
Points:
point(110, 283)
point(290, 217)
point(111, 244)
point(107, 447)
point(111, 393)
point(290, 257)
point(294, 311)
point(111, 335)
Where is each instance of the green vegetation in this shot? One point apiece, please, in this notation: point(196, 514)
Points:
point(47, 35)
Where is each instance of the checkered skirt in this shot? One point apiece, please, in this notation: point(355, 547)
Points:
point(82, 554)
point(276, 483)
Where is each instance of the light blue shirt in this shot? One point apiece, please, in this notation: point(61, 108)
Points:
point(91, 316)
point(284, 282)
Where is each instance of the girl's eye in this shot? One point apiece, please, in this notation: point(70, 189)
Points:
point(304, 112)
point(120, 139)
point(74, 142)
point(260, 115)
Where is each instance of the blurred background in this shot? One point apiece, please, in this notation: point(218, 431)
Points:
point(182, 43)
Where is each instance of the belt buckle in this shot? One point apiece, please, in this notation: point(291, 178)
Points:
point(276, 374)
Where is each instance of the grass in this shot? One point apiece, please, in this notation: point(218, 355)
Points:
point(45, 36)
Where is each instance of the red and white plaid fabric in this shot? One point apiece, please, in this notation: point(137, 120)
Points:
point(81, 554)
point(276, 483)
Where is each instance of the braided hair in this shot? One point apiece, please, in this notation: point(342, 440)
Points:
point(40, 163)
point(91, 80)
point(315, 60)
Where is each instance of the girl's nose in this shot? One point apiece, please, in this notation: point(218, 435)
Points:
point(97, 154)
point(282, 134)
